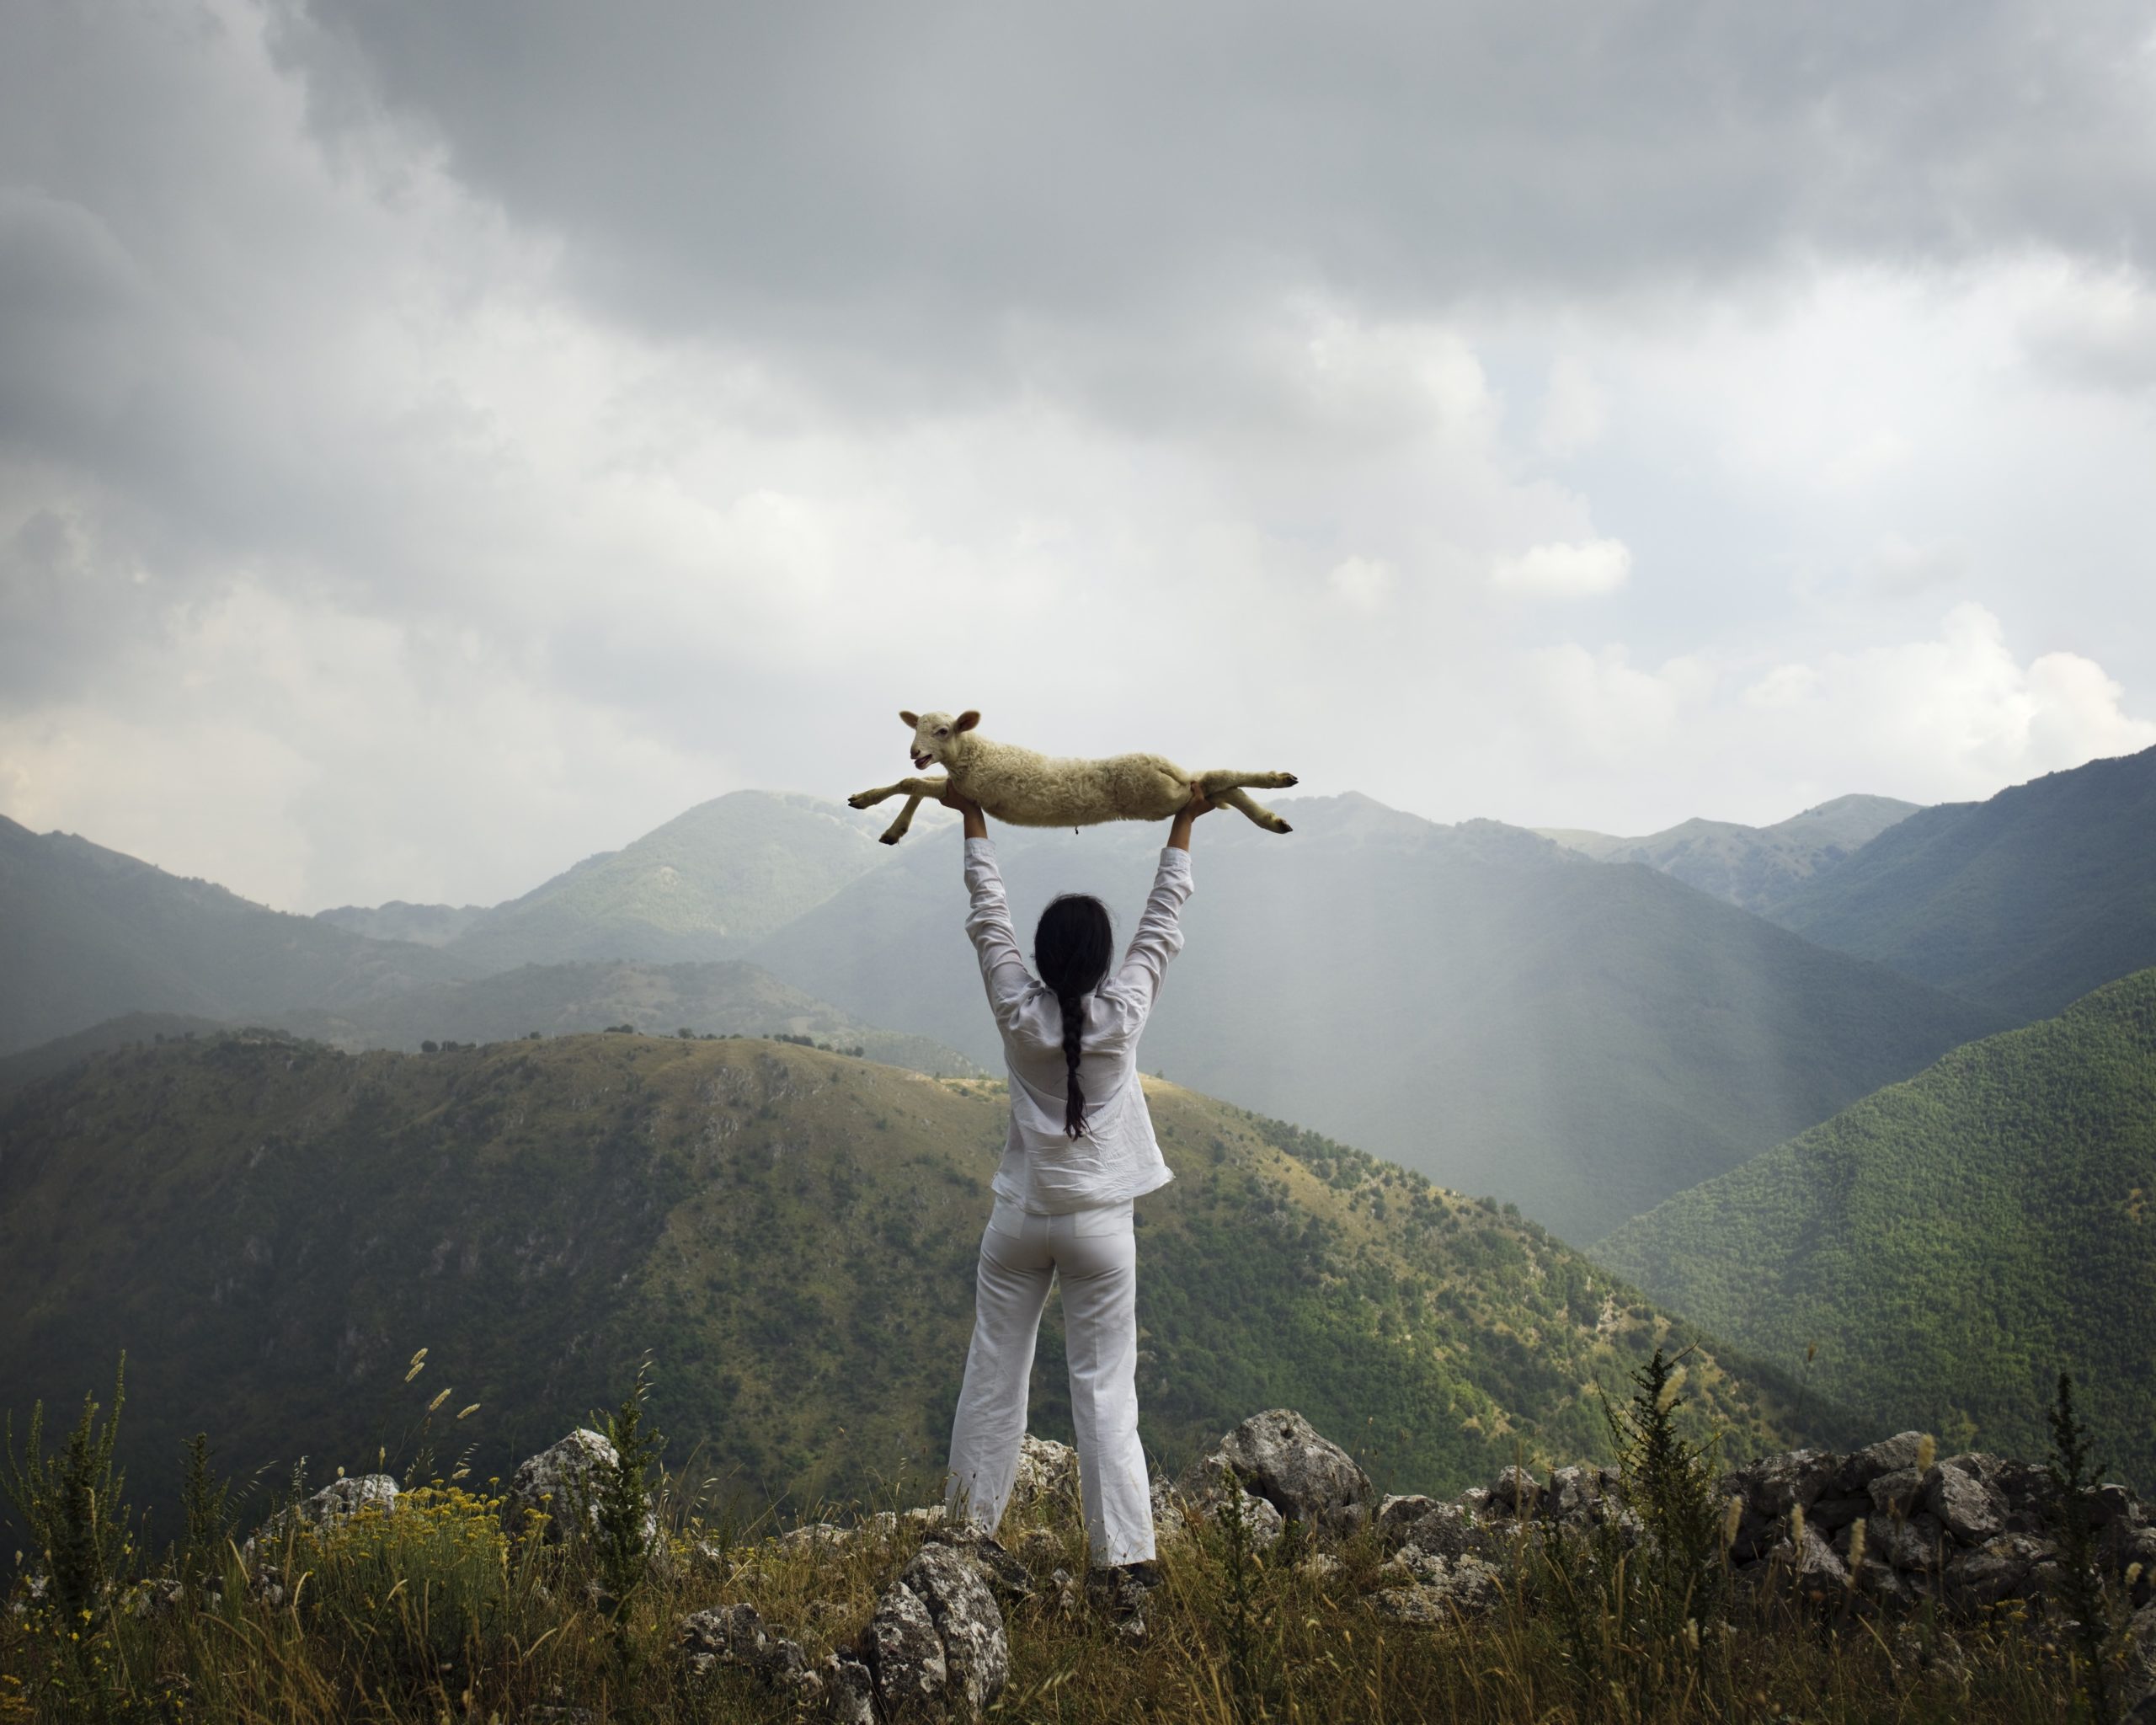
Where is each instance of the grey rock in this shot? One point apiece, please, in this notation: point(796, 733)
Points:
point(562, 1480)
point(2013, 1566)
point(1008, 1578)
point(2027, 1489)
point(1515, 1492)
point(1396, 1515)
point(1812, 1564)
point(1774, 1485)
point(2114, 1503)
point(1899, 1492)
point(1854, 1474)
point(906, 1656)
point(1280, 1457)
point(1445, 1592)
point(840, 1691)
point(1047, 1480)
point(1831, 1515)
point(1447, 1530)
point(1574, 1497)
point(737, 1635)
point(334, 1504)
point(2137, 1687)
point(1963, 1503)
point(1910, 1544)
point(816, 1538)
point(967, 1620)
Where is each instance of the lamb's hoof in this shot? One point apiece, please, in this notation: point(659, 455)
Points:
point(1282, 826)
point(889, 838)
point(859, 799)
point(1288, 779)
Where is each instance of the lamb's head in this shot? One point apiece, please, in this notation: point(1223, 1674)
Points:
point(936, 736)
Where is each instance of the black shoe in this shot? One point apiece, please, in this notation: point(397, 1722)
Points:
point(1118, 1591)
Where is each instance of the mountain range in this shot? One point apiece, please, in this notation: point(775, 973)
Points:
point(1951, 1244)
point(1473, 1001)
point(1497, 1009)
point(271, 1230)
point(88, 934)
point(1755, 867)
point(2022, 902)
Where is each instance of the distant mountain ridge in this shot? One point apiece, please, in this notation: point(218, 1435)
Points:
point(1751, 867)
point(703, 886)
point(426, 925)
point(1953, 1243)
point(725, 998)
point(2022, 902)
point(1473, 1001)
point(792, 1233)
point(88, 934)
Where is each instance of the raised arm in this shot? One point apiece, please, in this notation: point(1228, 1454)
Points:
point(988, 918)
point(1159, 937)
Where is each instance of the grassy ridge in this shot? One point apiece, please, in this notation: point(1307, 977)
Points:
point(1953, 1242)
point(271, 1228)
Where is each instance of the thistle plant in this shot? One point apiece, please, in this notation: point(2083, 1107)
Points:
point(71, 1504)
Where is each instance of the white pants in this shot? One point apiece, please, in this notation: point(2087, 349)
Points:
point(1094, 1253)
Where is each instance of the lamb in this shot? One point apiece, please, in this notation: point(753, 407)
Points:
point(1023, 788)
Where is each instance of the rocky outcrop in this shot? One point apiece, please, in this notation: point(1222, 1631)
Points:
point(1047, 1481)
point(935, 1648)
point(334, 1504)
point(559, 1484)
point(1280, 1457)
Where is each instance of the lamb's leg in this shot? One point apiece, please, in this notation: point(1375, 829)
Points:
point(916, 791)
point(1225, 779)
point(1238, 798)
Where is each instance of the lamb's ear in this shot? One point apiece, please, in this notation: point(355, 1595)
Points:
point(911, 720)
point(966, 721)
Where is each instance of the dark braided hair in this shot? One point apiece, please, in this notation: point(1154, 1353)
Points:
point(1072, 946)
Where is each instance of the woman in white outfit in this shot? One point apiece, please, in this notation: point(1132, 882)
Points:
point(1081, 1147)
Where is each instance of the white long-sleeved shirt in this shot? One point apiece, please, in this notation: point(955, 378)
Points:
point(1116, 1157)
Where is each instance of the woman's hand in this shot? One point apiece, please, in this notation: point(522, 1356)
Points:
point(1200, 803)
point(969, 810)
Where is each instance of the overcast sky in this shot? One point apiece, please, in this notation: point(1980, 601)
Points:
point(440, 440)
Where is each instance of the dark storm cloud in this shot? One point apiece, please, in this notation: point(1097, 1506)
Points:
point(918, 183)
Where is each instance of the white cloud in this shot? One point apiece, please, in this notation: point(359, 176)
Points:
point(1364, 583)
point(1952, 717)
point(1900, 566)
point(2096, 329)
point(354, 544)
point(1575, 413)
point(1582, 569)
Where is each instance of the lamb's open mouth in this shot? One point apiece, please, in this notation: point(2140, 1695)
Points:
point(921, 761)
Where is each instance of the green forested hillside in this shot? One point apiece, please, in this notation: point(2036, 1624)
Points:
point(88, 934)
point(271, 1229)
point(1502, 1015)
point(703, 886)
point(1951, 1242)
point(729, 998)
point(1753, 867)
point(2022, 902)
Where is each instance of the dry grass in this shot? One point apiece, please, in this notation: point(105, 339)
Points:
point(429, 1613)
